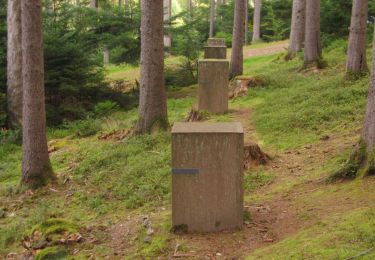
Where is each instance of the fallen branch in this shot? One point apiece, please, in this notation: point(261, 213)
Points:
point(361, 254)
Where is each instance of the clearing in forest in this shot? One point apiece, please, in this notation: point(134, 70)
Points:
point(112, 198)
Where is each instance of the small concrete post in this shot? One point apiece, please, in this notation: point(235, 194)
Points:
point(207, 176)
point(213, 80)
point(215, 49)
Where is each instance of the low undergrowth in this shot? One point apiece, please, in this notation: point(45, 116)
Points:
point(106, 175)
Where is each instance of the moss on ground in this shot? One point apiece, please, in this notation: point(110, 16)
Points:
point(101, 182)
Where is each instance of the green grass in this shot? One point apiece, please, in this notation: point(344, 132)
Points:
point(299, 108)
point(339, 237)
point(102, 182)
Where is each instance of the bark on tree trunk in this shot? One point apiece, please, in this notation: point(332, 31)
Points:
point(93, 4)
point(368, 134)
point(36, 168)
point(356, 60)
point(106, 55)
point(297, 33)
point(212, 19)
point(362, 160)
point(256, 23)
point(152, 103)
point(14, 64)
point(312, 32)
point(236, 66)
point(247, 22)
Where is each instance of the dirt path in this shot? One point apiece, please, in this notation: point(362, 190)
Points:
point(265, 49)
point(273, 220)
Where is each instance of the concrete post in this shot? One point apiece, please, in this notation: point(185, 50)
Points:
point(213, 80)
point(215, 49)
point(207, 176)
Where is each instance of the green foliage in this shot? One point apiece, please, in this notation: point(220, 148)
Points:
point(118, 30)
point(55, 226)
point(52, 253)
point(256, 179)
point(315, 103)
point(105, 108)
point(276, 20)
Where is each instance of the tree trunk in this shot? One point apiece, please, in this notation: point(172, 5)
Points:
point(212, 19)
point(368, 134)
point(190, 5)
point(256, 23)
point(297, 33)
point(313, 49)
point(236, 66)
point(247, 22)
point(152, 100)
point(14, 64)
point(362, 159)
point(356, 61)
point(36, 168)
point(106, 55)
point(93, 4)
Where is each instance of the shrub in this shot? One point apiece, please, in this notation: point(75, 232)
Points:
point(106, 107)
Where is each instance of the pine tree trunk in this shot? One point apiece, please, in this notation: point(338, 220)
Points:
point(93, 4)
point(356, 61)
point(106, 55)
point(236, 66)
point(368, 134)
point(36, 168)
point(212, 19)
point(312, 32)
point(152, 103)
point(14, 64)
point(256, 23)
point(297, 33)
point(247, 22)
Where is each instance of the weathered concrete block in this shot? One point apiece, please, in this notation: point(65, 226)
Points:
point(215, 49)
point(215, 42)
point(213, 80)
point(207, 179)
point(215, 52)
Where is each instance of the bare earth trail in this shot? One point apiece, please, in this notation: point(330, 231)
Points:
point(279, 209)
point(285, 213)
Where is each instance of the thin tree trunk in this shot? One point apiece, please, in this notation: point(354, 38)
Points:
point(313, 49)
point(236, 66)
point(93, 4)
point(297, 32)
point(247, 22)
point(106, 55)
point(14, 64)
point(212, 19)
point(256, 23)
point(356, 61)
point(36, 168)
point(152, 100)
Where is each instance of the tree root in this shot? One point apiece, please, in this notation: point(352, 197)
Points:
point(360, 164)
point(195, 116)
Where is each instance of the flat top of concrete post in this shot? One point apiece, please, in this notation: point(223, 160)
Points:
point(195, 127)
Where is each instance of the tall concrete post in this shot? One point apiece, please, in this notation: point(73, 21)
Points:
point(207, 176)
point(213, 80)
point(215, 49)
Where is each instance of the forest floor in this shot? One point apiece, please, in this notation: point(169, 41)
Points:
point(112, 198)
